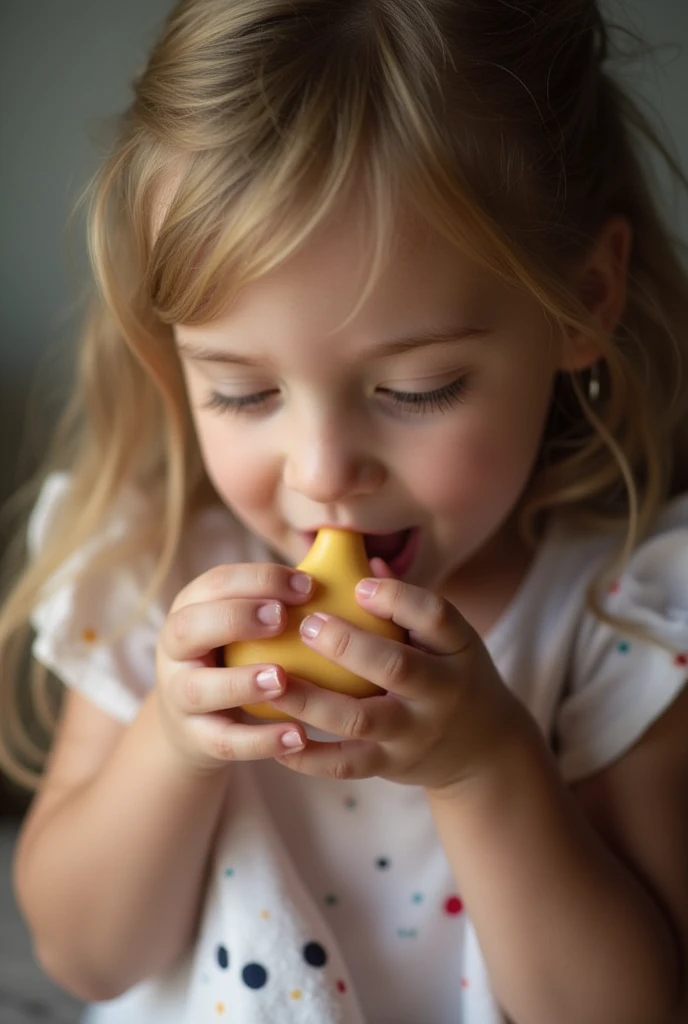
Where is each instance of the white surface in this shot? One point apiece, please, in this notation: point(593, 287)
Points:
point(26, 994)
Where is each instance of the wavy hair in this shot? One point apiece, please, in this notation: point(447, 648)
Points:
point(505, 128)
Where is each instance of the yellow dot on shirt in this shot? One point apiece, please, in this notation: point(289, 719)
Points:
point(296, 994)
point(220, 1008)
point(265, 914)
point(89, 635)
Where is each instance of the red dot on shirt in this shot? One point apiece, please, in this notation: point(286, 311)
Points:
point(681, 660)
point(453, 905)
point(341, 986)
point(614, 588)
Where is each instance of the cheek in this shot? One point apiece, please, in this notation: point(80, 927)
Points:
point(240, 474)
point(480, 469)
point(486, 462)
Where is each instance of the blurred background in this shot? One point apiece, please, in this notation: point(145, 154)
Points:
point(65, 67)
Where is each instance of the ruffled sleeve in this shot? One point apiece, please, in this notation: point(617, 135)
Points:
point(620, 684)
point(79, 609)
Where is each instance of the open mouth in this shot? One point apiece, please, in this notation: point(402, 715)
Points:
point(398, 549)
point(386, 545)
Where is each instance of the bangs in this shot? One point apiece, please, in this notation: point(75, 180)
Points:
point(243, 209)
point(230, 220)
point(206, 253)
point(292, 147)
point(216, 237)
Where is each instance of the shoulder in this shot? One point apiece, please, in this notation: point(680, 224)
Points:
point(96, 621)
point(628, 664)
point(212, 534)
point(653, 575)
point(650, 592)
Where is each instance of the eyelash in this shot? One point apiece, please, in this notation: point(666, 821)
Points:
point(418, 402)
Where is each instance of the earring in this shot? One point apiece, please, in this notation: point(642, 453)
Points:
point(594, 383)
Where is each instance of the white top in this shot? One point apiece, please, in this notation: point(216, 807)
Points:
point(333, 901)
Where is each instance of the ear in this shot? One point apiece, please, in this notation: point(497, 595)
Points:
point(600, 281)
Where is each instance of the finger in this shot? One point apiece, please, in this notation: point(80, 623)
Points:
point(227, 740)
point(249, 579)
point(381, 569)
point(394, 666)
point(433, 623)
point(198, 690)
point(377, 718)
point(194, 630)
point(350, 759)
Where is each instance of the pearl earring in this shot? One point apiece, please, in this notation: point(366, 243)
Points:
point(594, 383)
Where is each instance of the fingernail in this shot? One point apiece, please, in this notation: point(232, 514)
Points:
point(292, 740)
point(312, 625)
point(270, 614)
point(301, 582)
point(268, 680)
point(367, 587)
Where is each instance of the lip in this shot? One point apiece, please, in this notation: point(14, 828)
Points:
point(354, 529)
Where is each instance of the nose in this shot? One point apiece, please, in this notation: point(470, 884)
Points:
point(328, 461)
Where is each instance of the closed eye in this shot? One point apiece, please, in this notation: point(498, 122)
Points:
point(418, 402)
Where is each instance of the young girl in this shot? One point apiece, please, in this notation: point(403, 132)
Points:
point(395, 268)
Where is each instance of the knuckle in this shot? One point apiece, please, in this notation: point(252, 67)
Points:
point(234, 619)
point(396, 666)
point(223, 746)
point(269, 578)
point(228, 687)
point(189, 688)
point(230, 617)
point(260, 745)
point(342, 770)
point(341, 644)
point(218, 577)
point(359, 723)
point(437, 611)
point(180, 625)
point(298, 703)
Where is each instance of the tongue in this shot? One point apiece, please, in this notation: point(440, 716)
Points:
point(386, 547)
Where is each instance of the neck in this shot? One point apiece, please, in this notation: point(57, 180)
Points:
point(483, 588)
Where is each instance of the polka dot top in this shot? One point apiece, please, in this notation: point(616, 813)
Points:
point(332, 902)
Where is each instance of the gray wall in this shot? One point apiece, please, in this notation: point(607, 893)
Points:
point(65, 65)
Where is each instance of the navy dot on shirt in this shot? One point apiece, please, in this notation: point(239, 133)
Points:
point(314, 954)
point(254, 976)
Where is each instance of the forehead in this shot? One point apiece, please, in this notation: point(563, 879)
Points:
point(303, 311)
point(420, 271)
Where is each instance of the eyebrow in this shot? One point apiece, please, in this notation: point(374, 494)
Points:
point(395, 345)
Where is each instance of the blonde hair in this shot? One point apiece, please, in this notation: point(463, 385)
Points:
point(500, 123)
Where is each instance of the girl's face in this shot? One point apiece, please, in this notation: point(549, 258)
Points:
point(304, 423)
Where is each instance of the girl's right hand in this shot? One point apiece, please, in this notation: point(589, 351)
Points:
point(199, 700)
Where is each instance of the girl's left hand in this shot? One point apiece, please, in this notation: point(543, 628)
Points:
point(446, 713)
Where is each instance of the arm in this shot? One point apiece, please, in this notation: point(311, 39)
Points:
point(569, 932)
point(110, 864)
